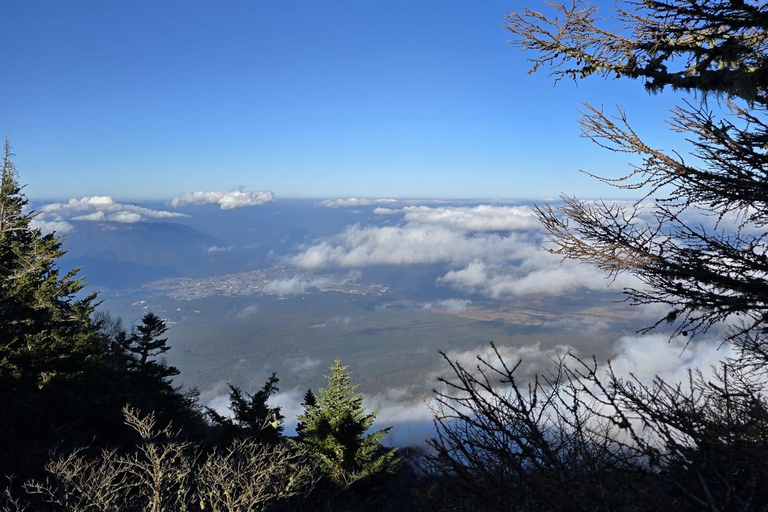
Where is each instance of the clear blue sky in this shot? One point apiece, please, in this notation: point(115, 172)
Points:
point(150, 99)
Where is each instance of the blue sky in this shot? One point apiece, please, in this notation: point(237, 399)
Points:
point(148, 100)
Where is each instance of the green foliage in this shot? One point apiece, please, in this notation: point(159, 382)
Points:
point(141, 377)
point(253, 417)
point(49, 351)
point(145, 344)
point(65, 378)
point(45, 333)
point(333, 431)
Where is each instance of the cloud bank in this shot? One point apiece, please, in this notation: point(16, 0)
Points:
point(300, 283)
point(480, 218)
point(489, 250)
point(227, 200)
point(354, 201)
point(541, 274)
point(404, 245)
point(59, 226)
point(296, 284)
point(57, 216)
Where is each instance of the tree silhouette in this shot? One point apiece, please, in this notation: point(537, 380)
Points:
point(582, 437)
point(144, 346)
point(696, 239)
point(252, 417)
point(49, 352)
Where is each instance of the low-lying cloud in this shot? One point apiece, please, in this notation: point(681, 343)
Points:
point(58, 216)
point(227, 200)
point(247, 312)
point(213, 249)
point(300, 284)
point(59, 226)
point(351, 202)
point(298, 366)
point(408, 412)
point(493, 251)
point(404, 245)
point(386, 211)
point(542, 274)
point(451, 305)
point(480, 218)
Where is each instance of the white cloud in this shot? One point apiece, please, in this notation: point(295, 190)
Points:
point(217, 398)
point(301, 365)
point(247, 312)
point(539, 274)
point(490, 250)
point(58, 226)
point(535, 360)
point(644, 357)
point(354, 201)
point(99, 209)
point(641, 358)
point(648, 356)
point(218, 248)
point(480, 218)
point(297, 284)
point(406, 412)
point(589, 325)
point(404, 245)
point(95, 216)
point(227, 200)
point(386, 211)
point(452, 305)
point(123, 216)
point(472, 278)
point(290, 407)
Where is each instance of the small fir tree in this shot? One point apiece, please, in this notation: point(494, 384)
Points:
point(333, 431)
point(146, 344)
point(253, 418)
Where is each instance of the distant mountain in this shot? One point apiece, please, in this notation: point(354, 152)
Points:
point(121, 255)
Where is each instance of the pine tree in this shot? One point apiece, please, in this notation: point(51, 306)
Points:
point(145, 344)
point(253, 418)
point(333, 431)
point(45, 332)
point(49, 350)
point(147, 378)
point(64, 377)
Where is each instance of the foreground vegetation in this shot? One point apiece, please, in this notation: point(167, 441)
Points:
point(582, 437)
point(92, 421)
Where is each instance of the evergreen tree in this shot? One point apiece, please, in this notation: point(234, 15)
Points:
point(252, 418)
point(45, 332)
point(147, 377)
point(333, 431)
point(49, 351)
point(64, 377)
point(144, 346)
